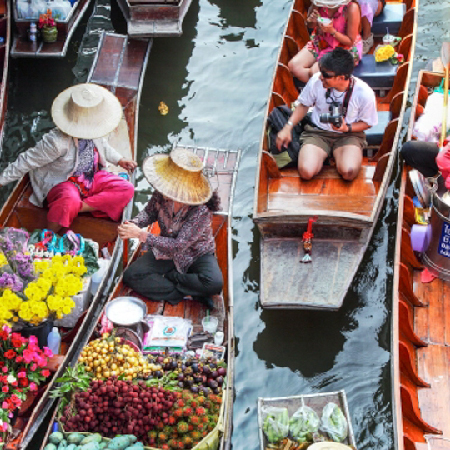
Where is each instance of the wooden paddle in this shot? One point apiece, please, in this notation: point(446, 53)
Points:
point(445, 56)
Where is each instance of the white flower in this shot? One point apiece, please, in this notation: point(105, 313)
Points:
point(11, 379)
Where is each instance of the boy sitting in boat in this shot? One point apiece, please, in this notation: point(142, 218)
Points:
point(343, 107)
point(66, 166)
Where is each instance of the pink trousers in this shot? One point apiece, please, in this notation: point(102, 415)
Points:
point(109, 195)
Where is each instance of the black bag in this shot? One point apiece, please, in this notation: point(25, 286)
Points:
point(276, 120)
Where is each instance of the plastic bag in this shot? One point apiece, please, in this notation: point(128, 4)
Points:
point(428, 126)
point(303, 423)
point(334, 422)
point(275, 423)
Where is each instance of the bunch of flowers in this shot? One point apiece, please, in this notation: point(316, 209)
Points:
point(383, 53)
point(48, 296)
point(46, 20)
point(22, 368)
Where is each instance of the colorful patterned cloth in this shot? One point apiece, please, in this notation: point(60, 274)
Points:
point(184, 237)
point(322, 43)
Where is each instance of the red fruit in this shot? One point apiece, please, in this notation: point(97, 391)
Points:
point(172, 420)
point(180, 403)
point(194, 420)
point(178, 413)
point(182, 427)
point(205, 419)
point(200, 411)
point(187, 412)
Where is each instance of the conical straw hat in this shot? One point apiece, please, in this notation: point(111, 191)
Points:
point(178, 176)
point(330, 3)
point(86, 111)
point(329, 446)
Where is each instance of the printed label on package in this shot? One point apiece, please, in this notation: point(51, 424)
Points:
point(444, 241)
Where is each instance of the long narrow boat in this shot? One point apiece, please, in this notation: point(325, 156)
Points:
point(420, 336)
point(316, 402)
point(345, 212)
point(5, 36)
point(222, 165)
point(120, 67)
point(23, 47)
point(154, 18)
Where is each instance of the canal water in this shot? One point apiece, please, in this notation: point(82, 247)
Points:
point(215, 80)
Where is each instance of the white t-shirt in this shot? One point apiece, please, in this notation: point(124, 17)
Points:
point(362, 106)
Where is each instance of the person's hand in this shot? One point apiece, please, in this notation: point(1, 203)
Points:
point(284, 137)
point(327, 28)
point(129, 230)
point(313, 16)
point(343, 128)
point(128, 164)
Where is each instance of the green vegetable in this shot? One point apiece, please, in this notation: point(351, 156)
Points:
point(72, 447)
point(75, 438)
point(96, 437)
point(334, 422)
point(90, 446)
point(276, 424)
point(56, 437)
point(50, 447)
point(120, 442)
point(102, 445)
point(62, 445)
point(303, 424)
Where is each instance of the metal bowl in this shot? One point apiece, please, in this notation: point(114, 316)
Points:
point(126, 301)
point(421, 187)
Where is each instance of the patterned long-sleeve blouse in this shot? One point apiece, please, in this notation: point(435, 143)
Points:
point(185, 235)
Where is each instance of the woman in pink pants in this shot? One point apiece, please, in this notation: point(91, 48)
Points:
point(66, 167)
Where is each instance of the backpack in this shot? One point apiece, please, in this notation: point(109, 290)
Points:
point(276, 120)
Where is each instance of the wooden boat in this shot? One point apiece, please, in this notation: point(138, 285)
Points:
point(154, 18)
point(223, 165)
point(346, 212)
point(420, 373)
point(120, 67)
point(5, 36)
point(314, 401)
point(23, 47)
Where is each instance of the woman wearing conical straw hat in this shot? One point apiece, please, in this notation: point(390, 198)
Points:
point(180, 263)
point(66, 166)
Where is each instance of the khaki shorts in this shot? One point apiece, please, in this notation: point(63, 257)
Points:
point(330, 140)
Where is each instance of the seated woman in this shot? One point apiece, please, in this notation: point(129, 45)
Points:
point(342, 31)
point(180, 264)
point(65, 167)
point(369, 10)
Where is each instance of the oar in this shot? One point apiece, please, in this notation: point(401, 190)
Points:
point(445, 56)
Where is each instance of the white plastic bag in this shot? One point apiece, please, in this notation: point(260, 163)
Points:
point(428, 126)
point(334, 422)
point(303, 423)
point(275, 423)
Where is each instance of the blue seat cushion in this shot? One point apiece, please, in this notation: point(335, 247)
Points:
point(391, 17)
point(376, 75)
point(375, 134)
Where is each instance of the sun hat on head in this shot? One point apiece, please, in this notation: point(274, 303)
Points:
point(86, 111)
point(329, 446)
point(330, 3)
point(178, 176)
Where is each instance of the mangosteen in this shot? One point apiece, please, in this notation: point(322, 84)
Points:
point(195, 367)
point(194, 389)
point(222, 371)
point(198, 379)
point(216, 390)
point(183, 367)
point(219, 381)
point(180, 377)
point(173, 365)
point(190, 382)
point(206, 369)
point(160, 359)
point(181, 384)
point(214, 374)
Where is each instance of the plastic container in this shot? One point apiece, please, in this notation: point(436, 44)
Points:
point(54, 341)
point(210, 324)
point(420, 237)
point(98, 276)
point(218, 338)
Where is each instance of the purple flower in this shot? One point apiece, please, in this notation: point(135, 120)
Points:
point(11, 281)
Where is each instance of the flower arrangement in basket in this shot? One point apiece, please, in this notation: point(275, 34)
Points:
point(22, 368)
point(47, 25)
point(387, 53)
point(32, 292)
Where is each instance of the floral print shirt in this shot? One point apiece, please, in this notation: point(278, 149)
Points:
point(185, 235)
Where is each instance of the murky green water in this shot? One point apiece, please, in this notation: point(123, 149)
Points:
point(215, 80)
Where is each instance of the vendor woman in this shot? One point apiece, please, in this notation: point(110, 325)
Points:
point(66, 166)
point(180, 263)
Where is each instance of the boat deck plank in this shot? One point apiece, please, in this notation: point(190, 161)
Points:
point(325, 192)
point(431, 324)
point(291, 282)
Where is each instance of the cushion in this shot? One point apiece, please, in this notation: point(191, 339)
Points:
point(391, 17)
point(376, 75)
point(375, 134)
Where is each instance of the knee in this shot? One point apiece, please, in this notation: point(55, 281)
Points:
point(213, 284)
point(306, 173)
point(127, 276)
point(127, 190)
point(349, 173)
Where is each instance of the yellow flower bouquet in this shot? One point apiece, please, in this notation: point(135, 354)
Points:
point(383, 53)
point(49, 296)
